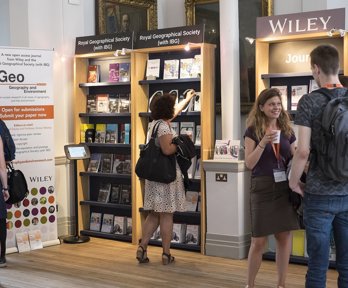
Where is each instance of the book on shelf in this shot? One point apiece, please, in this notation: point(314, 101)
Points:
point(188, 106)
point(127, 168)
point(104, 192)
point(198, 135)
point(83, 128)
point(95, 221)
point(157, 235)
point(111, 133)
point(114, 103)
point(313, 85)
point(124, 103)
point(126, 195)
point(22, 240)
point(198, 169)
point(196, 102)
point(296, 93)
point(118, 164)
point(100, 131)
point(171, 69)
point(93, 73)
point(115, 193)
point(106, 163)
point(186, 68)
point(102, 103)
point(188, 128)
point(298, 243)
point(129, 226)
point(155, 95)
point(119, 225)
point(91, 104)
point(127, 132)
point(35, 239)
point(108, 223)
point(199, 202)
point(191, 201)
point(114, 72)
point(94, 162)
point(175, 127)
point(226, 149)
point(283, 95)
point(178, 233)
point(175, 94)
point(271, 244)
point(196, 66)
point(124, 69)
point(192, 235)
point(153, 69)
point(192, 169)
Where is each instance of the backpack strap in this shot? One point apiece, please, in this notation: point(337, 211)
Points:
point(327, 93)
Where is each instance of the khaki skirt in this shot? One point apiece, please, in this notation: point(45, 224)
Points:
point(271, 211)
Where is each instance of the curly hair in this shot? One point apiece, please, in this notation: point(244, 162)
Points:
point(163, 107)
point(259, 121)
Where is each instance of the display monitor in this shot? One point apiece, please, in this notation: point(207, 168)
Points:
point(77, 151)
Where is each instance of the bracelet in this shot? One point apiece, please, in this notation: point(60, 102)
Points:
point(4, 189)
point(260, 146)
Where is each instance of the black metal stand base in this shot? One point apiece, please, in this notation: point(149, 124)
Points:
point(76, 239)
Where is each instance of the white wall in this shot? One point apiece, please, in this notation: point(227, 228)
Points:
point(4, 23)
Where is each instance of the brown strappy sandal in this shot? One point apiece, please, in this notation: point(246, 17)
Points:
point(167, 259)
point(142, 255)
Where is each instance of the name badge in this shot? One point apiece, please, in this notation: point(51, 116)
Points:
point(279, 175)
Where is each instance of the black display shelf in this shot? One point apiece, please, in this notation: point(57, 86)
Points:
point(125, 115)
point(118, 237)
point(108, 145)
point(111, 175)
point(161, 81)
point(107, 205)
point(193, 218)
point(192, 113)
point(104, 84)
point(188, 247)
point(294, 259)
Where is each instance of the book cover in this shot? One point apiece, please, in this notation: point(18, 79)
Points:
point(121, 132)
point(298, 243)
point(35, 239)
point(100, 131)
point(157, 235)
point(227, 149)
point(271, 243)
point(196, 66)
point(175, 127)
point(191, 201)
point(192, 169)
point(93, 74)
point(95, 221)
point(188, 128)
point(91, 104)
point(118, 164)
point(129, 226)
point(127, 168)
point(119, 225)
point(171, 69)
point(108, 223)
point(124, 72)
point(22, 239)
point(111, 133)
point(199, 203)
point(127, 128)
point(94, 162)
point(83, 128)
point(155, 95)
point(104, 193)
point(192, 235)
point(126, 195)
point(313, 85)
point(106, 163)
point(114, 72)
point(178, 233)
point(102, 103)
point(198, 135)
point(153, 68)
point(196, 102)
point(284, 95)
point(114, 103)
point(296, 93)
point(189, 105)
point(124, 105)
point(115, 193)
point(175, 94)
point(186, 68)
point(198, 169)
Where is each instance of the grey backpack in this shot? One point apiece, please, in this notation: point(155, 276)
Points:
point(332, 149)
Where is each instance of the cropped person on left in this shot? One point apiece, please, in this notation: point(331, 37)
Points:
point(271, 211)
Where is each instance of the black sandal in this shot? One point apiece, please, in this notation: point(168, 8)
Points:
point(142, 255)
point(167, 258)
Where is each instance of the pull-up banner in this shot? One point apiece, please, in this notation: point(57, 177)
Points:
point(26, 106)
point(300, 23)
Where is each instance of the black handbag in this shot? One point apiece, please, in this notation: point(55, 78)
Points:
point(153, 165)
point(17, 185)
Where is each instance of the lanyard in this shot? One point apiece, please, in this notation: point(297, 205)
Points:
point(276, 150)
point(335, 85)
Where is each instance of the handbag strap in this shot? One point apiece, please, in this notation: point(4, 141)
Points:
point(155, 129)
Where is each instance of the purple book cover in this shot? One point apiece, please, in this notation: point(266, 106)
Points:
point(114, 72)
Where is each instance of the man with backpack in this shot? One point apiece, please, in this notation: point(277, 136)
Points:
point(323, 137)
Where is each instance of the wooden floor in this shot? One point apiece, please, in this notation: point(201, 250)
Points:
point(107, 263)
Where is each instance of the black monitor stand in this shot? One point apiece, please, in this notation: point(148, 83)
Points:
point(76, 152)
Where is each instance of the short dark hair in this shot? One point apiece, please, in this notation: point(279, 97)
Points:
point(327, 58)
point(163, 107)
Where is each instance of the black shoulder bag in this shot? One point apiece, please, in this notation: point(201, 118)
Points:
point(153, 165)
point(17, 185)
